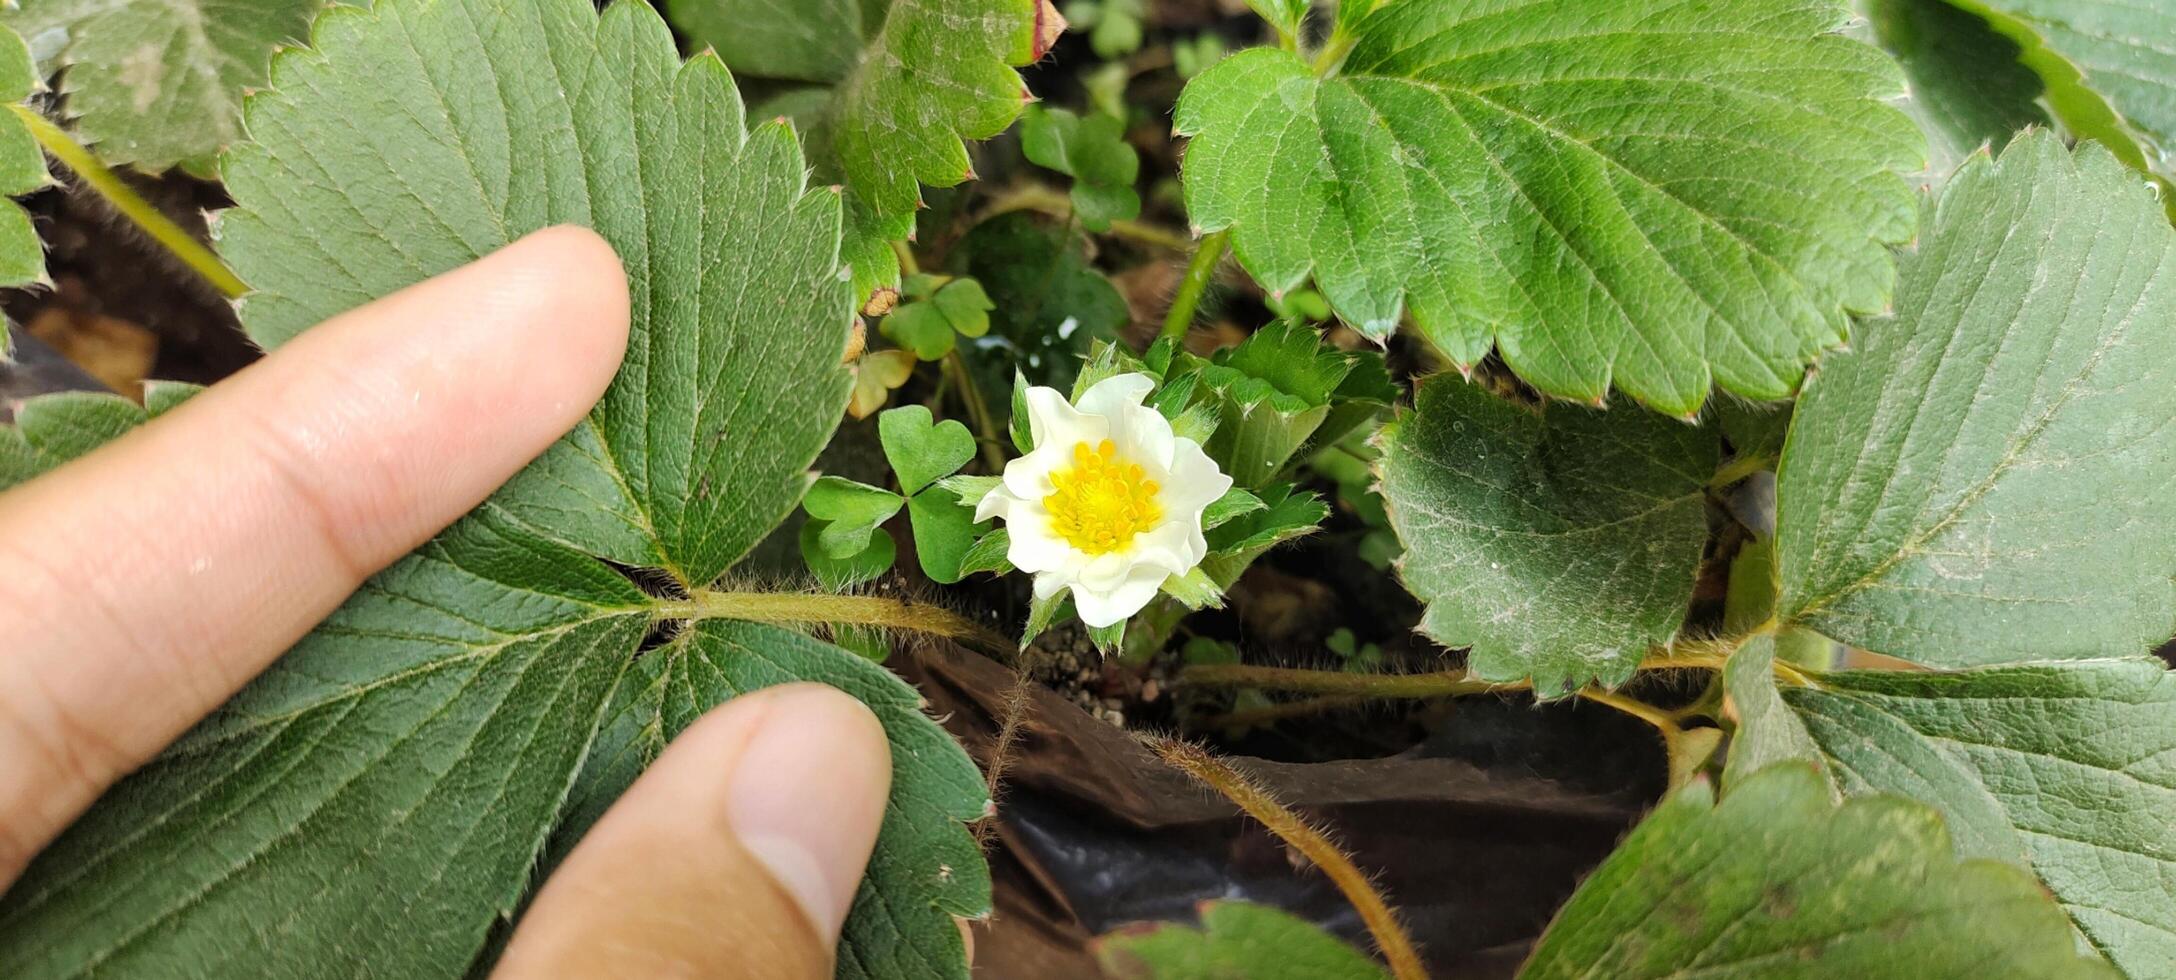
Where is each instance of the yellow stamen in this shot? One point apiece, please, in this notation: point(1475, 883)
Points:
point(1101, 502)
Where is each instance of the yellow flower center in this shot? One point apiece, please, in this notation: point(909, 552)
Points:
point(1101, 502)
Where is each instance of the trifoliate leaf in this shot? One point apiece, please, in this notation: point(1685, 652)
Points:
point(1967, 89)
point(966, 305)
point(944, 532)
point(1652, 194)
point(2108, 67)
point(1981, 481)
point(850, 513)
point(1091, 150)
point(837, 574)
point(1778, 881)
point(923, 451)
point(926, 868)
point(153, 83)
point(1051, 303)
point(909, 81)
point(2068, 767)
point(1236, 939)
point(22, 170)
point(922, 328)
point(370, 805)
point(876, 376)
point(1559, 544)
point(373, 803)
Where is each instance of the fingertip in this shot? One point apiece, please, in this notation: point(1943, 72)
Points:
point(568, 282)
point(808, 796)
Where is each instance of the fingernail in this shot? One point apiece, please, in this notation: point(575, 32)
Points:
point(808, 794)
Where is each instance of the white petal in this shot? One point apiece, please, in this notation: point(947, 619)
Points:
point(1106, 571)
point(1055, 424)
point(1032, 547)
point(1195, 481)
point(1144, 436)
point(1108, 396)
point(1099, 608)
point(1174, 546)
point(998, 503)
point(1049, 584)
point(1028, 477)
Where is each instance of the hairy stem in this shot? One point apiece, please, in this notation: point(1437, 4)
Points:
point(1390, 937)
point(1673, 734)
point(1298, 680)
point(1199, 271)
point(1738, 469)
point(103, 181)
point(843, 610)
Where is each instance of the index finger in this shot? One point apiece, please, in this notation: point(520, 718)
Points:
point(144, 584)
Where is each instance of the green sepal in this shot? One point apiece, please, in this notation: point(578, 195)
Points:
point(971, 489)
point(1236, 502)
point(987, 554)
point(1108, 639)
point(1194, 589)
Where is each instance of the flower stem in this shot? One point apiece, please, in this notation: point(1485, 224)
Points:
point(1199, 271)
point(843, 610)
point(1390, 937)
point(102, 180)
point(1044, 200)
point(978, 411)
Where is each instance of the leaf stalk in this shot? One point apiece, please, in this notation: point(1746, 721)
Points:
point(1200, 270)
point(103, 181)
point(840, 610)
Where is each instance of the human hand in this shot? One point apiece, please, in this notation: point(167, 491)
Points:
point(143, 585)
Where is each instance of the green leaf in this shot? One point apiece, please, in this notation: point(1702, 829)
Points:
point(153, 83)
point(910, 80)
point(966, 305)
point(380, 797)
point(1285, 15)
point(1051, 303)
point(1653, 194)
point(922, 328)
point(2109, 71)
point(1778, 881)
point(53, 429)
point(921, 450)
point(1982, 480)
point(1967, 89)
point(1560, 544)
point(1094, 152)
point(805, 40)
point(2069, 767)
point(1236, 939)
point(307, 829)
point(926, 868)
point(1767, 733)
point(944, 532)
point(849, 513)
point(22, 170)
point(838, 574)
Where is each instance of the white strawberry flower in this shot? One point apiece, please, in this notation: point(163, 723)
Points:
point(1109, 503)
